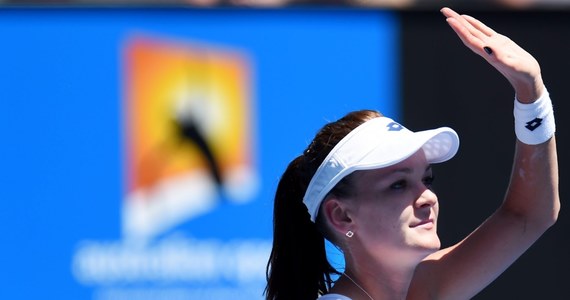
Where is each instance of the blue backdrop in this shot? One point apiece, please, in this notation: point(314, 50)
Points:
point(61, 123)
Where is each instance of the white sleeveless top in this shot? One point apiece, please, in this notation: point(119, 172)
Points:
point(333, 297)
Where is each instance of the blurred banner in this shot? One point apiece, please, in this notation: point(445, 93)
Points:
point(142, 147)
point(375, 4)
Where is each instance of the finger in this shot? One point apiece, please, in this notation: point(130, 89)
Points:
point(472, 42)
point(480, 25)
point(449, 13)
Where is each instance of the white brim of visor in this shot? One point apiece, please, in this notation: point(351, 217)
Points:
point(377, 143)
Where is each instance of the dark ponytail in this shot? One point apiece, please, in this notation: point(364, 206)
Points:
point(298, 268)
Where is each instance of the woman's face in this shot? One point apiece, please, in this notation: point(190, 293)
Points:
point(395, 211)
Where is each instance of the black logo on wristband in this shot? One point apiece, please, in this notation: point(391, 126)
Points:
point(534, 124)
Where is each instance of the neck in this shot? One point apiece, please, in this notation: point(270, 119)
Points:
point(358, 285)
point(376, 281)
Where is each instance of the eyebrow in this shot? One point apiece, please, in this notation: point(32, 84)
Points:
point(409, 170)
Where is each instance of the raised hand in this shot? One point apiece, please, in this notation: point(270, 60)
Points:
point(518, 66)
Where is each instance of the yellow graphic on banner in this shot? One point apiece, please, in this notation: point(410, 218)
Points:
point(189, 133)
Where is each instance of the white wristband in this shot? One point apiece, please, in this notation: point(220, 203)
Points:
point(534, 122)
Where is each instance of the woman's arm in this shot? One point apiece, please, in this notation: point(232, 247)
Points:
point(531, 203)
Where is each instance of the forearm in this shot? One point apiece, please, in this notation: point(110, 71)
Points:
point(533, 195)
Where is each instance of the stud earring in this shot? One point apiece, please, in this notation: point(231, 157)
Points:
point(349, 233)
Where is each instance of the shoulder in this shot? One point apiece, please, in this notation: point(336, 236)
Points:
point(333, 297)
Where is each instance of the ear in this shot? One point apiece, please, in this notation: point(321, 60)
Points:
point(339, 215)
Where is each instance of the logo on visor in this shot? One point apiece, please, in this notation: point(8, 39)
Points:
point(394, 126)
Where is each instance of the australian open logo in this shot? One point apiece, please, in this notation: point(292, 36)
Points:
point(189, 154)
point(189, 135)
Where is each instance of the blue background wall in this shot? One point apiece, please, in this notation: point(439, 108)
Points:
point(61, 123)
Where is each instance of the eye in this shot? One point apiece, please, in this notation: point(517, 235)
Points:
point(428, 181)
point(398, 185)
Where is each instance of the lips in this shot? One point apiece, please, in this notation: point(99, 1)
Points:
point(427, 223)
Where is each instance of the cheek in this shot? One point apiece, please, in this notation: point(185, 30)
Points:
point(385, 216)
point(375, 218)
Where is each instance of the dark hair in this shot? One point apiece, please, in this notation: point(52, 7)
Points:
point(298, 268)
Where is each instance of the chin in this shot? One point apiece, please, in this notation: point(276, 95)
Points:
point(427, 250)
point(434, 244)
point(429, 245)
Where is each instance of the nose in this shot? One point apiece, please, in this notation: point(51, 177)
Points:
point(426, 199)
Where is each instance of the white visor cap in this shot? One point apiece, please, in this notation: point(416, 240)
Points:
point(377, 143)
